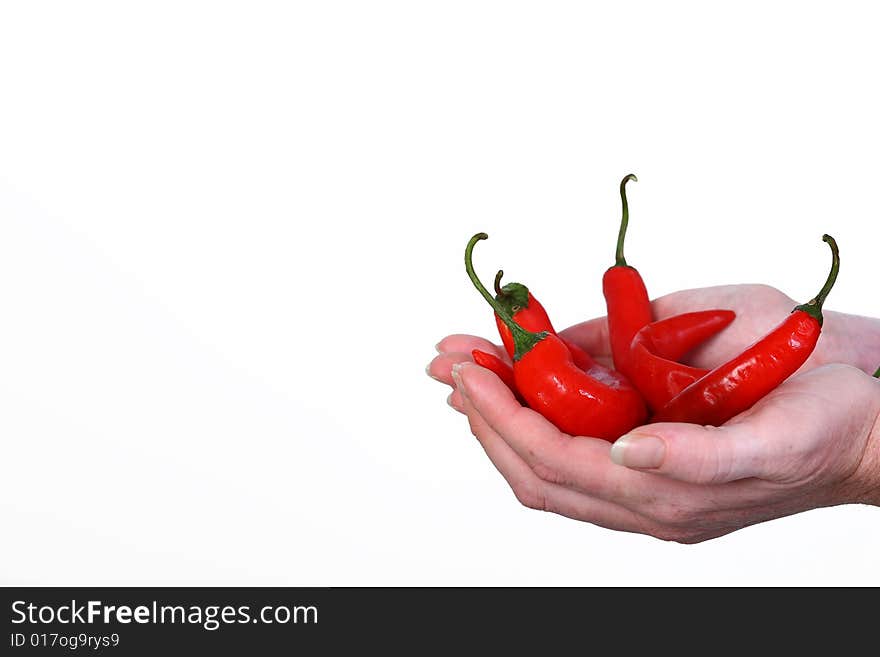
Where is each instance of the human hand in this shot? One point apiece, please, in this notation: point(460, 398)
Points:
point(812, 442)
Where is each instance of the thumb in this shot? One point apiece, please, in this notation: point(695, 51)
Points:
point(692, 452)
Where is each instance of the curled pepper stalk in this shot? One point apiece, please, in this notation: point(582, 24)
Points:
point(513, 296)
point(600, 403)
point(620, 261)
point(523, 340)
point(813, 307)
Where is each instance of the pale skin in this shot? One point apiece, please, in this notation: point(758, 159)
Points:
point(813, 442)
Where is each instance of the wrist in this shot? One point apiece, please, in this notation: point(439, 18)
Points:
point(869, 467)
point(850, 339)
point(872, 456)
point(862, 485)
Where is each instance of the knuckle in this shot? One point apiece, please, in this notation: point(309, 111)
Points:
point(714, 469)
point(530, 494)
point(712, 463)
point(677, 535)
point(845, 375)
point(674, 516)
point(666, 533)
point(546, 473)
point(769, 290)
point(767, 295)
point(843, 368)
point(689, 538)
point(849, 376)
point(545, 461)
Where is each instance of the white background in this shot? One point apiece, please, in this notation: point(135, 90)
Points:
point(231, 233)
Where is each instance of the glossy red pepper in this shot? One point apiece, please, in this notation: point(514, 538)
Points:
point(736, 385)
point(502, 369)
point(528, 312)
point(599, 403)
point(657, 347)
point(626, 298)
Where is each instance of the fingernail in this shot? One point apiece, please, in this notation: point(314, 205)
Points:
point(449, 401)
point(638, 450)
point(456, 376)
point(437, 347)
point(428, 372)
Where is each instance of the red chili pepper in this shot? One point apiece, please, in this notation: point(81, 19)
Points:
point(528, 312)
point(736, 385)
point(626, 298)
point(505, 372)
point(599, 403)
point(657, 347)
point(494, 364)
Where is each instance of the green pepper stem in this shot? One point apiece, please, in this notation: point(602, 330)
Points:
point(523, 340)
point(624, 222)
point(498, 289)
point(814, 306)
point(877, 373)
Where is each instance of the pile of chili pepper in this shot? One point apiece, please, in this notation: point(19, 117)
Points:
point(648, 381)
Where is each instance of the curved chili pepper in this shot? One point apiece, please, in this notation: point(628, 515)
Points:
point(501, 369)
point(626, 297)
point(528, 312)
point(736, 385)
point(657, 347)
point(505, 372)
point(599, 403)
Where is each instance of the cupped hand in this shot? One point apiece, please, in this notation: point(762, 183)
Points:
point(812, 442)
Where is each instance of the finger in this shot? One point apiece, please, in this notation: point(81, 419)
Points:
point(534, 493)
point(455, 401)
point(440, 368)
point(591, 336)
point(694, 453)
point(693, 300)
point(787, 436)
point(581, 463)
point(529, 490)
point(466, 343)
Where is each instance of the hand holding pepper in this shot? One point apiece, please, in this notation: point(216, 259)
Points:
point(809, 443)
point(805, 445)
